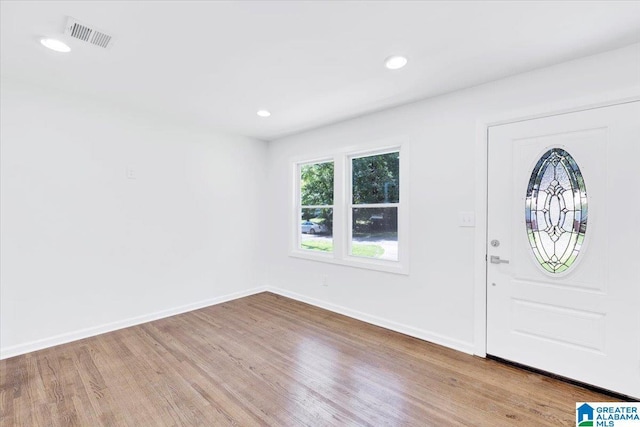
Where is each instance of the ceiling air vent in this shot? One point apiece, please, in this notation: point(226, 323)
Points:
point(88, 34)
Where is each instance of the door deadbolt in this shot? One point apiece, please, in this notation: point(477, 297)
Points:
point(495, 243)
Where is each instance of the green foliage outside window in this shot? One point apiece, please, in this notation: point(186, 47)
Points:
point(317, 184)
point(376, 179)
point(316, 189)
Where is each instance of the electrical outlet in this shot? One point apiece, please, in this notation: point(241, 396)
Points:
point(323, 281)
point(466, 219)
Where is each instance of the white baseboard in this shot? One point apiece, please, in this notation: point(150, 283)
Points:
point(465, 347)
point(109, 327)
point(19, 349)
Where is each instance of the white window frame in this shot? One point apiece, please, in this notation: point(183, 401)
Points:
point(342, 209)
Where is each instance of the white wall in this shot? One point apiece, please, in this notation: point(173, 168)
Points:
point(436, 301)
point(84, 249)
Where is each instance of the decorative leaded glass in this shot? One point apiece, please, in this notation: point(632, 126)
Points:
point(556, 210)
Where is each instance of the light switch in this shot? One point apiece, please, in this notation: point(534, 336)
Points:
point(131, 173)
point(466, 219)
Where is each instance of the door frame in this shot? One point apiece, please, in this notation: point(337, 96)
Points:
point(481, 201)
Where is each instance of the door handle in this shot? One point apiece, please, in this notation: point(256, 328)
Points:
point(496, 260)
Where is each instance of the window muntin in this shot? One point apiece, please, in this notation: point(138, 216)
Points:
point(316, 206)
point(375, 201)
point(556, 210)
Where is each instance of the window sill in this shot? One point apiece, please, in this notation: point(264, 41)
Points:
point(351, 261)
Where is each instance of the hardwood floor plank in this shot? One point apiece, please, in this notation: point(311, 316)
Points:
point(134, 391)
point(266, 360)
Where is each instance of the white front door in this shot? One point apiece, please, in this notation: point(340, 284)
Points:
point(563, 245)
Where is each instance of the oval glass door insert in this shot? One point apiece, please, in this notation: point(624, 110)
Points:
point(556, 210)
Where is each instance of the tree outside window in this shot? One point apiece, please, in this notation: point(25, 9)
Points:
point(375, 199)
point(316, 206)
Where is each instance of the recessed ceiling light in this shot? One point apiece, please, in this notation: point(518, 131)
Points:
point(56, 45)
point(263, 113)
point(395, 62)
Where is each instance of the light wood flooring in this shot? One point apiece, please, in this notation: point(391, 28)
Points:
point(272, 361)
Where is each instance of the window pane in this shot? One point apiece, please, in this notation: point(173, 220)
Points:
point(376, 179)
point(375, 233)
point(316, 229)
point(556, 210)
point(316, 184)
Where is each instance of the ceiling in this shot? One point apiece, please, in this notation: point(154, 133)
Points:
point(310, 63)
